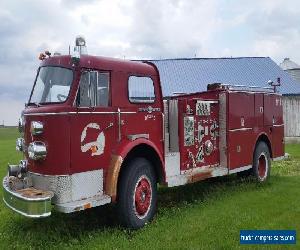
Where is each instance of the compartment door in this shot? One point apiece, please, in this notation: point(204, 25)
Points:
point(259, 110)
point(241, 120)
point(274, 122)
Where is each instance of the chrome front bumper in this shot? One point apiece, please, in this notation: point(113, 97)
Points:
point(32, 194)
point(29, 202)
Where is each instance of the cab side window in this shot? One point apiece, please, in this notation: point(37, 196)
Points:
point(140, 89)
point(93, 89)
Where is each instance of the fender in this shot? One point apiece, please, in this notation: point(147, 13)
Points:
point(117, 158)
point(256, 140)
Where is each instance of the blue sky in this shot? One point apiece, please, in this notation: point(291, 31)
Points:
point(138, 29)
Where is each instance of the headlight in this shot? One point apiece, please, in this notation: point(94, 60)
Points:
point(36, 128)
point(37, 150)
point(21, 124)
point(20, 143)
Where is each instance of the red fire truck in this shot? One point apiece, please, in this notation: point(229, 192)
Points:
point(98, 130)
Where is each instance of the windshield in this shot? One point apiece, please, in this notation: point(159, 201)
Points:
point(52, 85)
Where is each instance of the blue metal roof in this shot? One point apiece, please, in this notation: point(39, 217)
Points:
point(193, 75)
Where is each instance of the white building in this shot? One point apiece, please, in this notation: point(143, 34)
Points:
point(292, 68)
point(291, 103)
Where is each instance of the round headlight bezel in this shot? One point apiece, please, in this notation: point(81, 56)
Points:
point(37, 150)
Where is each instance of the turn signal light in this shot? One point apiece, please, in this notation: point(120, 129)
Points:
point(42, 56)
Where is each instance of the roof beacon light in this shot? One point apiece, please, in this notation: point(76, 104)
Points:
point(80, 41)
point(80, 45)
point(79, 49)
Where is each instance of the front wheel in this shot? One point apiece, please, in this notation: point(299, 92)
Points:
point(261, 162)
point(137, 194)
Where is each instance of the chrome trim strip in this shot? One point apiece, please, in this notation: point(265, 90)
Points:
point(41, 114)
point(80, 112)
point(102, 112)
point(239, 129)
point(47, 175)
point(91, 112)
point(240, 169)
point(207, 101)
point(278, 125)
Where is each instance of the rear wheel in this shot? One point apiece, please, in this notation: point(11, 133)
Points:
point(261, 162)
point(137, 194)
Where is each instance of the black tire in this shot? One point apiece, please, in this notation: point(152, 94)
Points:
point(261, 162)
point(137, 194)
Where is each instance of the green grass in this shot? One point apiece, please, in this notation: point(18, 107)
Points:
point(205, 215)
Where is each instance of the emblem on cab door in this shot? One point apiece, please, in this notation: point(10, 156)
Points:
point(149, 109)
point(95, 146)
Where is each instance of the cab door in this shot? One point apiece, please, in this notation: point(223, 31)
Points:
point(93, 124)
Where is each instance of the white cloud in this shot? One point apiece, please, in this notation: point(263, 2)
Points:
point(141, 29)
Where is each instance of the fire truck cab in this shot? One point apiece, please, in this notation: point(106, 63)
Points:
point(98, 130)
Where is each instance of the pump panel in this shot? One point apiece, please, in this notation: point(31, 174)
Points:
point(198, 132)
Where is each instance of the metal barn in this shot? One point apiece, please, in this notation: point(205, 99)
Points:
point(193, 74)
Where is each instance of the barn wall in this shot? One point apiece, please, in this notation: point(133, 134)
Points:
point(291, 116)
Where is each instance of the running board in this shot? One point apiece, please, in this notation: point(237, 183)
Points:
point(196, 174)
point(74, 206)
